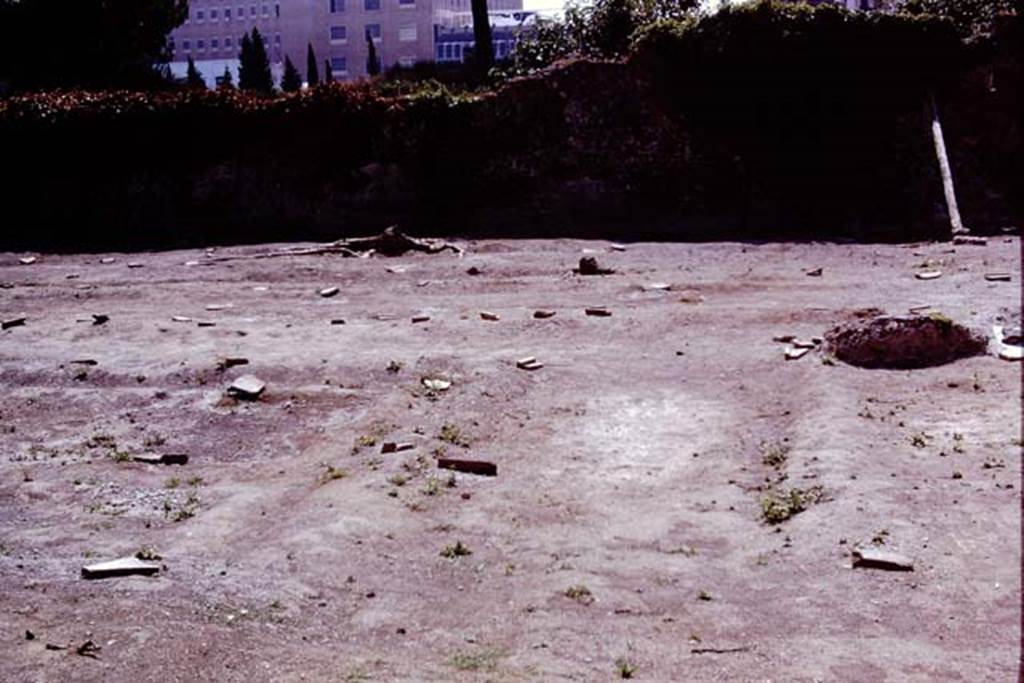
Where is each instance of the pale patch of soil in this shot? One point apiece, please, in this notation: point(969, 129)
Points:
point(634, 464)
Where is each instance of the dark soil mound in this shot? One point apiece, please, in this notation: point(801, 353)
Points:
point(903, 343)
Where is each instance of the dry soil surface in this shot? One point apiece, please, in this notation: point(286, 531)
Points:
point(625, 532)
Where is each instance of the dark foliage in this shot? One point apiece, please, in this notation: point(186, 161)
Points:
point(291, 81)
point(254, 67)
point(312, 74)
point(86, 43)
point(194, 79)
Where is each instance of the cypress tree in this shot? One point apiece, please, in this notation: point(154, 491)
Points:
point(193, 78)
point(292, 80)
point(328, 72)
point(226, 81)
point(312, 75)
point(372, 63)
point(254, 71)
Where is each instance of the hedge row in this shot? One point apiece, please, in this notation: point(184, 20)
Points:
point(768, 120)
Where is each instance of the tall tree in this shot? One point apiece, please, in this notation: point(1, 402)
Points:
point(328, 72)
point(254, 68)
point(291, 81)
point(312, 75)
point(372, 62)
point(483, 50)
point(88, 43)
point(193, 78)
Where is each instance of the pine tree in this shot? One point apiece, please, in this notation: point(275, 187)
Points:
point(312, 75)
point(194, 79)
point(328, 72)
point(226, 81)
point(254, 70)
point(372, 63)
point(292, 80)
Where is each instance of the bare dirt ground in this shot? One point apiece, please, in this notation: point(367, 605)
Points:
point(624, 531)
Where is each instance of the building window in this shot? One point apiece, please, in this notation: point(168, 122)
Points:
point(373, 30)
point(266, 11)
point(252, 10)
point(200, 15)
point(407, 34)
point(338, 33)
point(371, 5)
point(228, 43)
point(200, 45)
point(406, 3)
point(277, 11)
point(186, 45)
point(214, 44)
point(277, 39)
point(338, 64)
point(337, 6)
point(227, 14)
point(213, 15)
point(241, 13)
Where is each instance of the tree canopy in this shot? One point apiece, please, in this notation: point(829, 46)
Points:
point(86, 43)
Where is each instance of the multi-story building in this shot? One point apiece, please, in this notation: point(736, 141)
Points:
point(403, 31)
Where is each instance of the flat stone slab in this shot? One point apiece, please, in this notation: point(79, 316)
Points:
point(998, 277)
point(126, 566)
point(395, 447)
point(481, 467)
point(12, 322)
point(873, 558)
point(247, 387)
point(797, 352)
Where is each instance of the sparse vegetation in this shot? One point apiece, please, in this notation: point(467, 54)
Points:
point(484, 660)
point(450, 433)
point(148, 554)
point(580, 593)
point(779, 506)
point(705, 596)
point(457, 550)
point(332, 473)
point(172, 483)
point(774, 454)
point(625, 667)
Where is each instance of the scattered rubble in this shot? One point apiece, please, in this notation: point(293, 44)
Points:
point(126, 566)
point(435, 384)
point(529, 363)
point(247, 387)
point(162, 459)
point(873, 558)
point(903, 342)
point(589, 266)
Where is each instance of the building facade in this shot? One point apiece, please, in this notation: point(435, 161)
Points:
point(403, 31)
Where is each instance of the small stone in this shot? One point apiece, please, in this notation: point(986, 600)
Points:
point(421, 318)
point(191, 263)
point(107, 260)
point(998, 277)
point(329, 292)
point(796, 353)
point(589, 266)
point(543, 315)
point(217, 307)
point(481, 467)
point(473, 270)
point(487, 315)
point(967, 239)
point(206, 323)
point(598, 311)
point(395, 447)
point(27, 260)
point(12, 322)
point(815, 272)
point(231, 362)
point(136, 264)
point(338, 321)
point(181, 319)
point(658, 286)
point(247, 387)
point(928, 274)
point(99, 318)
point(529, 363)
point(435, 384)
